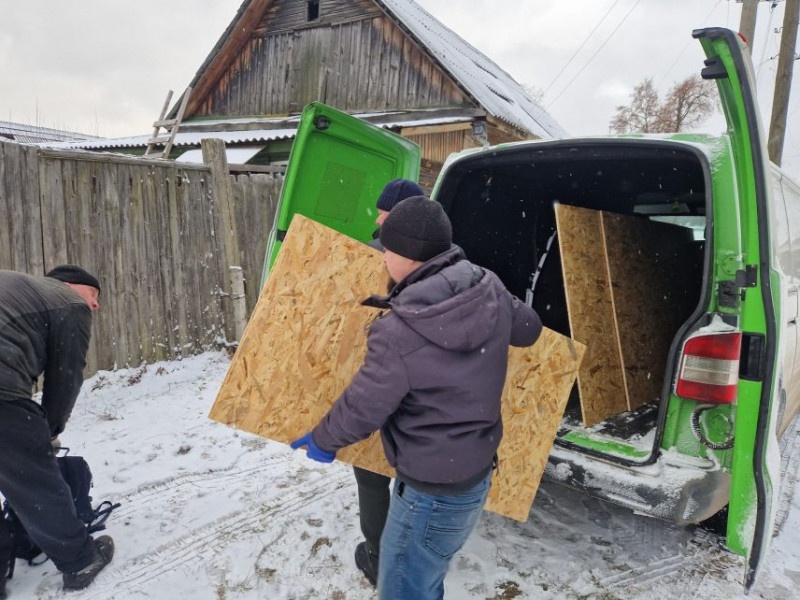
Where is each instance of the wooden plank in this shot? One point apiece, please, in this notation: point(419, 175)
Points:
point(651, 294)
point(53, 224)
point(591, 312)
point(306, 339)
point(6, 211)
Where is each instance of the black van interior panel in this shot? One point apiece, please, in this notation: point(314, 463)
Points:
point(501, 208)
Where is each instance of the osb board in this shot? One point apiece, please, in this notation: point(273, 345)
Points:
point(591, 312)
point(650, 297)
point(307, 338)
point(535, 396)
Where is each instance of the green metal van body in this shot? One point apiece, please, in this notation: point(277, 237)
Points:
point(693, 460)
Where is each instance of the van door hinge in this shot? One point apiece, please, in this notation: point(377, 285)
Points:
point(714, 69)
point(732, 292)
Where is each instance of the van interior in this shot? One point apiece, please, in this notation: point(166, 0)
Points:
point(502, 209)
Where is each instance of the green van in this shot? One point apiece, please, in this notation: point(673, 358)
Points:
point(708, 445)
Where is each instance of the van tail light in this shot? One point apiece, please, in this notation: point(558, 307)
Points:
point(710, 368)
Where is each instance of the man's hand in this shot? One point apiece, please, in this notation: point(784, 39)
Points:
point(314, 452)
point(56, 443)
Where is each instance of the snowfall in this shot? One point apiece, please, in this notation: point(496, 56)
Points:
point(211, 512)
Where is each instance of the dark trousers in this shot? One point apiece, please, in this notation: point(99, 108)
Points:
point(373, 504)
point(31, 481)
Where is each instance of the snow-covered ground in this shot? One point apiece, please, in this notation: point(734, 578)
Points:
point(211, 513)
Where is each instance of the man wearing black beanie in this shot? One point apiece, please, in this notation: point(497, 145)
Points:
point(431, 382)
point(45, 324)
point(374, 488)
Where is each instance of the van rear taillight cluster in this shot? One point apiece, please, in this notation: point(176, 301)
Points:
point(710, 368)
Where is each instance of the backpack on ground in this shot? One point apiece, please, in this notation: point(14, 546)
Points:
point(78, 476)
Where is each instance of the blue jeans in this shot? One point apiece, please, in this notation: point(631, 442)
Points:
point(422, 534)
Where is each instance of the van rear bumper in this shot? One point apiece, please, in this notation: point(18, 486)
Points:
point(676, 488)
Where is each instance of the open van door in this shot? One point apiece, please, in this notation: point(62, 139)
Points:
point(337, 169)
point(756, 467)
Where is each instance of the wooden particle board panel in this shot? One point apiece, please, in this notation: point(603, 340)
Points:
point(535, 396)
point(307, 338)
point(591, 312)
point(630, 283)
point(650, 297)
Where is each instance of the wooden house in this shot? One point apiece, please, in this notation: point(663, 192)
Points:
point(387, 61)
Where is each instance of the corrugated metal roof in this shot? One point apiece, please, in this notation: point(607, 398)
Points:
point(260, 129)
point(32, 134)
point(493, 88)
point(183, 138)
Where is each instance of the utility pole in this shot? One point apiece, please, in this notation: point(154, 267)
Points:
point(747, 24)
point(783, 81)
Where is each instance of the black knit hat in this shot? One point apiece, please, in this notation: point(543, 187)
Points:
point(397, 190)
point(417, 228)
point(74, 274)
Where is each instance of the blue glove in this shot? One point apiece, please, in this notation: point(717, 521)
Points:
point(314, 452)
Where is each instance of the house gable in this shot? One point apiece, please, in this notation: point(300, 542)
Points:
point(276, 57)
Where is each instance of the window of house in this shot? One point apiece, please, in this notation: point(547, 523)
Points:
point(313, 10)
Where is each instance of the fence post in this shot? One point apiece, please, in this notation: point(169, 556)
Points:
point(214, 156)
point(239, 301)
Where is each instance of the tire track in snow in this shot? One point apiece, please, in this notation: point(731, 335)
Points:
point(198, 546)
point(205, 478)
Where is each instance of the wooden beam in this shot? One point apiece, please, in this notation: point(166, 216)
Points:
point(271, 169)
point(238, 35)
point(431, 129)
point(112, 157)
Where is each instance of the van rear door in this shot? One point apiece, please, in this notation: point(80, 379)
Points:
point(756, 468)
point(337, 168)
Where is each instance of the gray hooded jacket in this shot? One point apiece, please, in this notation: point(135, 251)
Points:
point(434, 373)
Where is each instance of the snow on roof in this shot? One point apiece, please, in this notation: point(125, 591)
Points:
point(493, 88)
point(32, 134)
point(184, 138)
point(260, 129)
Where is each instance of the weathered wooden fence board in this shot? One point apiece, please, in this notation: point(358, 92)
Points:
point(20, 215)
point(150, 231)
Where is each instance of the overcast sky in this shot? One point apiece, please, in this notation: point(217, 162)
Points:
point(104, 67)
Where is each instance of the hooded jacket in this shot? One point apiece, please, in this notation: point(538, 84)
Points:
point(44, 328)
point(434, 372)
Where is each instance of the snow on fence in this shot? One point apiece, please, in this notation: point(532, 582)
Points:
point(151, 230)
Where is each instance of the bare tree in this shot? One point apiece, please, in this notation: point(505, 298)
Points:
point(641, 114)
point(687, 104)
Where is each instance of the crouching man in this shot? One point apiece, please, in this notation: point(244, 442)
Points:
point(45, 324)
point(431, 381)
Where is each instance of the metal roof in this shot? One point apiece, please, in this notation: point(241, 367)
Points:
point(32, 134)
point(494, 89)
point(241, 130)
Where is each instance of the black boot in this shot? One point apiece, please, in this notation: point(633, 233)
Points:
point(3, 574)
point(367, 563)
point(104, 552)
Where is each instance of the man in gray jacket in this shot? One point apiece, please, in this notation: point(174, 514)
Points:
point(431, 382)
point(45, 324)
point(374, 489)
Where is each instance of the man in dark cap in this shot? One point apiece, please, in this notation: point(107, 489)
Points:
point(373, 488)
point(45, 324)
point(431, 382)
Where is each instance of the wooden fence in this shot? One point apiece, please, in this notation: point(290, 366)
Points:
point(154, 234)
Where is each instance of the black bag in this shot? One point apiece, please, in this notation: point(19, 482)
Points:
point(78, 476)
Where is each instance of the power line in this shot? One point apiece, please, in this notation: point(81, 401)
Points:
point(625, 18)
point(600, 22)
point(677, 58)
